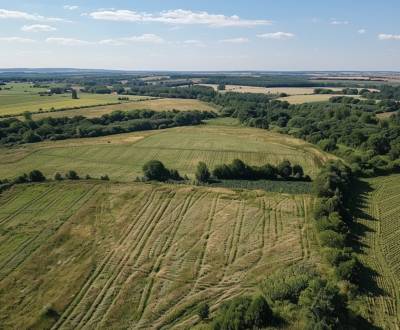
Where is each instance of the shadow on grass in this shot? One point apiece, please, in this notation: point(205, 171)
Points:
point(359, 201)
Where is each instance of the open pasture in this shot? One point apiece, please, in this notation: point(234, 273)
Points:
point(378, 223)
point(270, 90)
point(90, 255)
point(139, 102)
point(299, 99)
point(122, 156)
point(22, 97)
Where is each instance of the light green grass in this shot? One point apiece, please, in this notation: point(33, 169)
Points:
point(378, 226)
point(116, 256)
point(22, 97)
point(122, 156)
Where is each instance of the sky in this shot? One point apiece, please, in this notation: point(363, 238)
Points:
point(201, 35)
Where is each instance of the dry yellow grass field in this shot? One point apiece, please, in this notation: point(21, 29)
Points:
point(272, 90)
point(299, 99)
point(87, 255)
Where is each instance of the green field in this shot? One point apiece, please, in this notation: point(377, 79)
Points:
point(378, 226)
point(122, 156)
point(23, 97)
point(91, 255)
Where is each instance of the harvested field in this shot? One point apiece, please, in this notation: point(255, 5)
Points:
point(103, 256)
point(378, 227)
point(122, 156)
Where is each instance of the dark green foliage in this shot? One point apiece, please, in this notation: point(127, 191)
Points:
point(238, 170)
point(202, 172)
point(72, 175)
point(285, 169)
point(243, 313)
point(22, 179)
point(155, 170)
point(332, 239)
point(288, 283)
point(174, 175)
point(58, 177)
point(36, 176)
point(323, 306)
point(259, 314)
point(13, 130)
point(104, 178)
point(203, 311)
point(74, 94)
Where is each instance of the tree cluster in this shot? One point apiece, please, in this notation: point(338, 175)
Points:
point(13, 130)
point(154, 170)
point(333, 186)
point(238, 170)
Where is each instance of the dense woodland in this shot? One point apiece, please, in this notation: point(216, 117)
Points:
point(13, 130)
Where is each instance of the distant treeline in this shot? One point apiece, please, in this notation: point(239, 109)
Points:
point(13, 130)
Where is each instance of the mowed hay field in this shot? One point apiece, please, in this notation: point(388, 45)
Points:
point(300, 99)
point(141, 102)
point(378, 226)
point(271, 90)
point(123, 156)
point(88, 255)
point(23, 97)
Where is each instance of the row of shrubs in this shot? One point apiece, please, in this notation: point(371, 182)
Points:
point(238, 170)
point(332, 185)
point(155, 170)
point(38, 176)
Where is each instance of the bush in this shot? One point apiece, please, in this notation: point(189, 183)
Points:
point(202, 172)
point(72, 175)
point(58, 177)
point(174, 175)
point(203, 311)
point(243, 313)
point(332, 239)
point(155, 170)
point(285, 169)
point(105, 178)
point(36, 176)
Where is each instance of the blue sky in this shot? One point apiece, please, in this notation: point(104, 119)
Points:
point(201, 35)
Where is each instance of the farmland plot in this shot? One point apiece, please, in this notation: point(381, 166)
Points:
point(380, 251)
point(140, 256)
point(122, 156)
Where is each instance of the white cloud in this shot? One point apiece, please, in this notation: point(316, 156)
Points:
point(147, 38)
point(235, 40)
point(12, 14)
point(144, 38)
point(177, 17)
point(362, 31)
point(69, 7)
point(68, 41)
point(338, 22)
point(111, 42)
point(277, 35)
point(193, 42)
point(38, 28)
point(384, 36)
point(17, 39)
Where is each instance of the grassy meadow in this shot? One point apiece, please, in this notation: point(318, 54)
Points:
point(23, 97)
point(122, 156)
point(378, 229)
point(112, 256)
